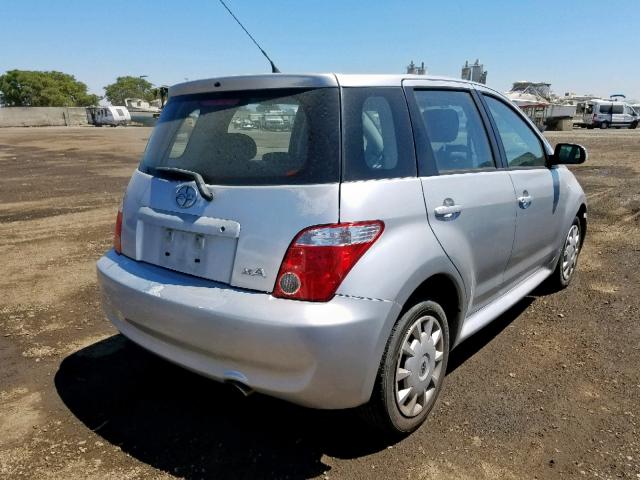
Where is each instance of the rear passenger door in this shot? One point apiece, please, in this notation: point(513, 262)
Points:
point(468, 195)
point(537, 190)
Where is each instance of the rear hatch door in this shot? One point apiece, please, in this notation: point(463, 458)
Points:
point(270, 159)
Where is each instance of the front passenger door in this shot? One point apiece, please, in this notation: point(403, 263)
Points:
point(537, 190)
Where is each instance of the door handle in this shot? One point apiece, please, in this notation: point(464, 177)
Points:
point(448, 210)
point(525, 200)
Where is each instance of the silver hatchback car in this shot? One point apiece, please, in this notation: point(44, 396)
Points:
point(328, 239)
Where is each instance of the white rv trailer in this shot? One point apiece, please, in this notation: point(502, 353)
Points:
point(110, 115)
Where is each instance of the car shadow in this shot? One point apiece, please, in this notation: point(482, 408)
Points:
point(193, 427)
point(190, 426)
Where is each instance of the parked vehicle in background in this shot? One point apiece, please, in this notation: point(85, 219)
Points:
point(143, 112)
point(274, 122)
point(108, 116)
point(607, 113)
point(336, 264)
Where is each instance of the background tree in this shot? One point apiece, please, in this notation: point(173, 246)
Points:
point(161, 93)
point(26, 88)
point(129, 87)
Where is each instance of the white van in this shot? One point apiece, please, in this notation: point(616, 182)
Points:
point(112, 116)
point(609, 113)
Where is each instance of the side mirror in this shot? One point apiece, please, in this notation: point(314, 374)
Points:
point(568, 154)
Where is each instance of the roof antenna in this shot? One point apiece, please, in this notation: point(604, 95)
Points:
point(274, 69)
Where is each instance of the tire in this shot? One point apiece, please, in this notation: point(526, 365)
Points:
point(633, 126)
point(398, 406)
point(563, 274)
point(604, 125)
point(589, 127)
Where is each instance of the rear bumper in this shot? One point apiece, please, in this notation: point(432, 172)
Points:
point(322, 355)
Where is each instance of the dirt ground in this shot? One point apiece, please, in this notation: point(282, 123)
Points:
point(549, 390)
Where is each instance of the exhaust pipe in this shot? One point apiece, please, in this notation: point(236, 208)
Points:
point(241, 387)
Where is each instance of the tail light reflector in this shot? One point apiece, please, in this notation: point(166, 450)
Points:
point(117, 233)
point(320, 257)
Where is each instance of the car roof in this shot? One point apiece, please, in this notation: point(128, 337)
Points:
point(310, 80)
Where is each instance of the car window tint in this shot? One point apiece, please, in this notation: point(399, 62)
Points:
point(256, 137)
point(183, 134)
point(618, 109)
point(522, 147)
point(377, 134)
point(605, 108)
point(454, 129)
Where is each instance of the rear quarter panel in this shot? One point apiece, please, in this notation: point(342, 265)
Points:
point(405, 255)
point(137, 194)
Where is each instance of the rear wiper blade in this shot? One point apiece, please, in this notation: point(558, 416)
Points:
point(181, 172)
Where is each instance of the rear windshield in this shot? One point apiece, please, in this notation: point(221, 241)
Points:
point(267, 137)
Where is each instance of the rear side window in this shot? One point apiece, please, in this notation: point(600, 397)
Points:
point(267, 137)
point(617, 109)
point(605, 108)
point(522, 147)
point(454, 130)
point(377, 134)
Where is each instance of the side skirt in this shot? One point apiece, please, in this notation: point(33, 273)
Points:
point(490, 312)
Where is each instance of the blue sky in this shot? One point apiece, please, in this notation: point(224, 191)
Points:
point(586, 46)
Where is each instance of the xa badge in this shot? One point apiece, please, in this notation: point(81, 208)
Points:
point(258, 272)
point(186, 196)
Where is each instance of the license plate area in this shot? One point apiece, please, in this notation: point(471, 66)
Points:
point(205, 247)
point(185, 251)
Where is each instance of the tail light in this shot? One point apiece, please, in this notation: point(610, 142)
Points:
point(117, 233)
point(320, 257)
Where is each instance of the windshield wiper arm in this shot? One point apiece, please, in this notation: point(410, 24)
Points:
point(181, 172)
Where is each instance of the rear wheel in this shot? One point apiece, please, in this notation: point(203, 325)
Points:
point(412, 370)
point(604, 125)
point(566, 266)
